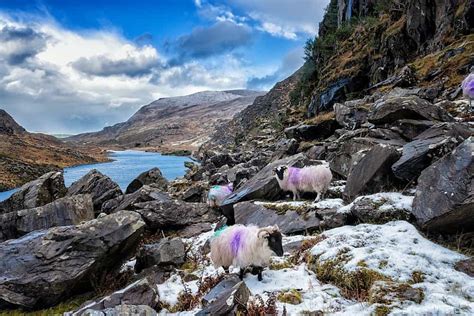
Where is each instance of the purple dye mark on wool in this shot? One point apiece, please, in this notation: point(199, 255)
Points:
point(236, 242)
point(294, 177)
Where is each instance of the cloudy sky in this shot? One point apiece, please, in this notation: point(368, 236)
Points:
point(78, 65)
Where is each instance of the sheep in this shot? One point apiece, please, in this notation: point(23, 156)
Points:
point(468, 87)
point(218, 193)
point(246, 246)
point(308, 179)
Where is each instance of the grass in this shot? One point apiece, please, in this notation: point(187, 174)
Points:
point(290, 297)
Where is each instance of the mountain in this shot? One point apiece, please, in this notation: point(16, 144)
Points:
point(25, 156)
point(171, 124)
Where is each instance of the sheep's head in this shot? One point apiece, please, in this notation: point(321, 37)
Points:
point(273, 237)
point(280, 172)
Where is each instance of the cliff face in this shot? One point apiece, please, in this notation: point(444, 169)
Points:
point(177, 123)
point(25, 156)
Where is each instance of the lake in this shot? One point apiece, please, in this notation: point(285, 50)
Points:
point(125, 167)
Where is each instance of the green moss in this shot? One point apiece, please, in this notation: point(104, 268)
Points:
point(59, 309)
point(189, 266)
point(290, 297)
point(280, 265)
point(382, 310)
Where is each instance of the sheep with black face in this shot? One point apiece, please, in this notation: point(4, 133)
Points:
point(308, 179)
point(244, 246)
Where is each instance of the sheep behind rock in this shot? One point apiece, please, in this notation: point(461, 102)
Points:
point(218, 193)
point(243, 246)
point(308, 179)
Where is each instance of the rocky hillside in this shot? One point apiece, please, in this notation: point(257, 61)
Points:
point(25, 156)
point(393, 235)
point(171, 124)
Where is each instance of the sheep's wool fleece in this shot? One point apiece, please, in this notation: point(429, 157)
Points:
point(219, 193)
point(239, 246)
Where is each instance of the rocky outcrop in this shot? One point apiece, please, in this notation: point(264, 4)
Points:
point(433, 143)
point(306, 132)
point(226, 298)
point(351, 114)
point(45, 267)
point(127, 201)
point(372, 173)
point(262, 186)
point(39, 192)
point(141, 292)
point(411, 107)
point(8, 125)
point(99, 186)
point(174, 214)
point(444, 199)
point(166, 254)
point(290, 218)
point(153, 178)
point(62, 212)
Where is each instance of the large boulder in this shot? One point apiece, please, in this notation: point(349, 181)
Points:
point(261, 186)
point(44, 190)
point(45, 267)
point(410, 107)
point(227, 299)
point(291, 217)
point(127, 201)
point(351, 115)
point(444, 199)
point(98, 185)
point(372, 173)
point(167, 253)
point(433, 143)
point(175, 214)
point(152, 177)
point(62, 212)
point(306, 132)
point(141, 292)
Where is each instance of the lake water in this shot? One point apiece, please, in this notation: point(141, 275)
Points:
point(127, 165)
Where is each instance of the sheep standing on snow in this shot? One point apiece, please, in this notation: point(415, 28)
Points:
point(218, 193)
point(308, 179)
point(243, 246)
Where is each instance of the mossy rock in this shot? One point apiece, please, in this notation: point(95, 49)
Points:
point(290, 297)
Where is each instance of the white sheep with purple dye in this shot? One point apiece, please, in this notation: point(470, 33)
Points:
point(308, 179)
point(218, 193)
point(246, 246)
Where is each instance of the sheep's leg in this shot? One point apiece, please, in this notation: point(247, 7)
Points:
point(295, 195)
point(241, 273)
point(226, 270)
point(260, 270)
point(318, 197)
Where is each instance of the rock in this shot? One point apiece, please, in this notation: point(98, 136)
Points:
point(372, 173)
point(194, 194)
point(166, 253)
point(240, 173)
point(45, 267)
point(141, 292)
point(350, 114)
point(98, 185)
point(122, 310)
point(261, 186)
point(127, 201)
point(306, 132)
point(381, 208)
point(226, 284)
point(194, 230)
point(152, 177)
point(444, 199)
point(285, 147)
point(466, 266)
point(290, 217)
point(411, 107)
point(317, 152)
point(174, 214)
point(336, 92)
point(62, 212)
point(44, 190)
point(433, 143)
point(409, 129)
point(388, 292)
point(227, 300)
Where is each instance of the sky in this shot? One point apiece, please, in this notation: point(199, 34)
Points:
point(75, 66)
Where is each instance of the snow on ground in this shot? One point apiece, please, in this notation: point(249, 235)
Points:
point(324, 204)
point(388, 201)
point(396, 250)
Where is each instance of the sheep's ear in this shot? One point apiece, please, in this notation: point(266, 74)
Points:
point(263, 233)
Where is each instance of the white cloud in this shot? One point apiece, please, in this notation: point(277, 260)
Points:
point(67, 81)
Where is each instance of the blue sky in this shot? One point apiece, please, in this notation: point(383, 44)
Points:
point(75, 66)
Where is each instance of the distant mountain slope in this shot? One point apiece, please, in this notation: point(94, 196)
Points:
point(25, 156)
point(176, 123)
